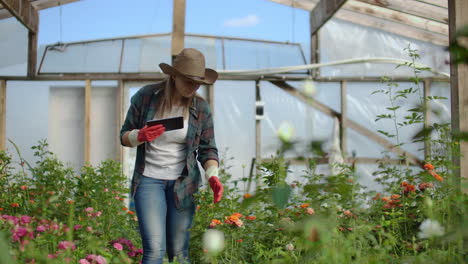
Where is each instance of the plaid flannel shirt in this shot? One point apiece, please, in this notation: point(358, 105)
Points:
point(200, 140)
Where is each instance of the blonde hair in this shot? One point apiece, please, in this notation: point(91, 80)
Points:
point(167, 100)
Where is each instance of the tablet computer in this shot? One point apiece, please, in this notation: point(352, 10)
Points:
point(171, 123)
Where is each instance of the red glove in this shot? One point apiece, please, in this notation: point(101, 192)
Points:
point(150, 133)
point(217, 188)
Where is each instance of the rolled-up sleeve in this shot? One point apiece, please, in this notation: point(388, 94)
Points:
point(207, 149)
point(132, 117)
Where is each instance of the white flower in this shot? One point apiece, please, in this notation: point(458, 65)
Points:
point(325, 205)
point(430, 228)
point(289, 247)
point(213, 241)
point(309, 88)
point(286, 131)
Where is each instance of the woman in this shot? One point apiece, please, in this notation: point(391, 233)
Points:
point(166, 172)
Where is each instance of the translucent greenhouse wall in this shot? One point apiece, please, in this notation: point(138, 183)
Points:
point(55, 110)
point(13, 48)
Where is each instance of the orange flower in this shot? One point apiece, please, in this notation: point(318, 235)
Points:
point(250, 217)
point(395, 196)
point(198, 207)
point(428, 166)
point(1, 209)
point(247, 195)
point(122, 199)
point(409, 188)
point(70, 201)
point(376, 197)
point(239, 240)
point(237, 214)
point(234, 220)
point(124, 208)
point(23, 187)
point(385, 199)
point(403, 183)
point(348, 213)
point(14, 205)
point(424, 185)
point(215, 222)
point(32, 201)
point(438, 177)
point(304, 205)
point(130, 212)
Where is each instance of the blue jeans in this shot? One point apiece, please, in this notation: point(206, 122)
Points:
point(162, 226)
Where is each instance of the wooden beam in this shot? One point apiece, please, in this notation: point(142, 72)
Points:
point(416, 8)
point(376, 16)
point(459, 87)
point(305, 98)
point(24, 12)
point(396, 16)
point(38, 5)
point(2, 114)
point(440, 3)
point(392, 27)
point(178, 27)
point(87, 122)
point(382, 141)
point(322, 12)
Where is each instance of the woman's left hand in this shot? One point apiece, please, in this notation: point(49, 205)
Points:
point(217, 188)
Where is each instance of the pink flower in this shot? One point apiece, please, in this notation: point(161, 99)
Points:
point(106, 190)
point(118, 246)
point(84, 261)
point(96, 259)
point(25, 219)
point(54, 227)
point(89, 229)
point(310, 211)
point(66, 245)
point(98, 213)
point(52, 256)
point(76, 227)
point(41, 228)
point(89, 209)
point(21, 232)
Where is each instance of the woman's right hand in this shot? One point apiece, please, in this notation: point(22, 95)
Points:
point(148, 134)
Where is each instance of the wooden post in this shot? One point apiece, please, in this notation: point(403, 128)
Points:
point(87, 124)
point(210, 97)
point(2, 114)
point(178, 27)
point(343, 117)
point(459, 88)
point(427, 120)
point(32, 53)
point(120, 116)
point(258, 133)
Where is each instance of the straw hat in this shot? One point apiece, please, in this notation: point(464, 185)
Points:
point(191, 64)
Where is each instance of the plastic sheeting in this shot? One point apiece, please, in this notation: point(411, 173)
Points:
point(13, 48)
point(143, 54)
point(54, 111)
point(342, 40)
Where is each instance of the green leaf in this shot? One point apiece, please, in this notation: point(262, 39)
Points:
point(280, 195)
point(393, 108)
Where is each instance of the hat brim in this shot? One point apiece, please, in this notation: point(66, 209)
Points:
point(210, 75)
